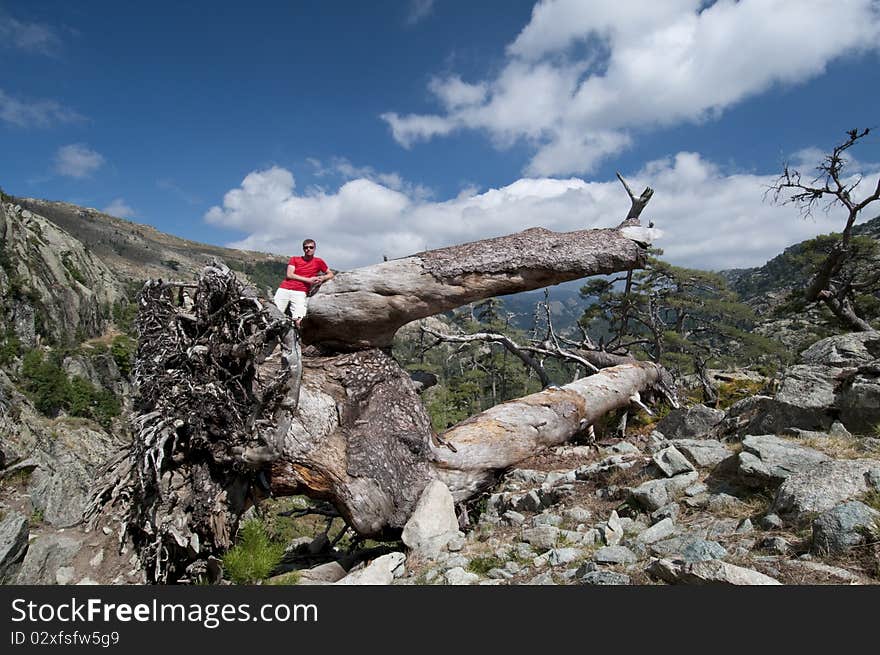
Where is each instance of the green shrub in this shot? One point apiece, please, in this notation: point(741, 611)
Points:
point(481, 565)
point(254, 557)
point(50, 390)
point(123, 349)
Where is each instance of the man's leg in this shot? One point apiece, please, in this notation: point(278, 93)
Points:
point(281, 300)
point(298, 306)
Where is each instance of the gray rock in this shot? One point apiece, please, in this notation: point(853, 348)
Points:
point(560, 556)
point(696, 489)
point(724, 502)
point(858, 401)
point(542, 579)
point(771, 522)
point(834, 572)
point(529, 502)
point(513, 517)
point(672, 462)
point(542, 537)
point(605, 578)
point(844, 526)
point(614, 555)
point(670, 511)
point(844, 350)
point(776, 545)
point(767, 460)
point(705, 453)
point(708, 572)
point(656, 532)
point(381, 571)
point(620, 448)
point(589, 537)
point(547, 519)
point(688, 548)
point(654, 494)
point(44, 557)
point(499, 574)
point(822, 487)
point(458, 576)
point(689, 423)
point(13, 543)
point(433, 522)
point(745, 527)
point(577, 515)
point(322, 574)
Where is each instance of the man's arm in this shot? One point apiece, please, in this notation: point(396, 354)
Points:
point(291, 275)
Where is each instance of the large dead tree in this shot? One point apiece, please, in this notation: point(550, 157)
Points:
point(229, 411)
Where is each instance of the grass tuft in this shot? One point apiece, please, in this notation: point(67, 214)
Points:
point(254, 557)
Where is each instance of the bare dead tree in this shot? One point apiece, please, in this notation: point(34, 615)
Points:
point(221, 422)
point(830, 184)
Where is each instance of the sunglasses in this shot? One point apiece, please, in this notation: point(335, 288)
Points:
point(308, 247)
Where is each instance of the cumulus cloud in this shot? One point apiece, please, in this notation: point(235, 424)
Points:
point(34, 113)
point(77, 160)
point(581, 76)
point(118, 207)
point(710, 219)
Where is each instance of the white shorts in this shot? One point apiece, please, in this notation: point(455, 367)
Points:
point(296, 299)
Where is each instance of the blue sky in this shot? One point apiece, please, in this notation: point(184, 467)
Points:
point(384, 128)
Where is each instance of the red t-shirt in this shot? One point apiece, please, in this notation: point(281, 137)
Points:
point(306, 269)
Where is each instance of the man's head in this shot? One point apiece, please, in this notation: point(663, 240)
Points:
point(309, 247)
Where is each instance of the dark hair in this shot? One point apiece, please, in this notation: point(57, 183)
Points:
point(309, 241)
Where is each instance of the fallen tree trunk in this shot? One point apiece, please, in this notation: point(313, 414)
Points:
point(365, 307)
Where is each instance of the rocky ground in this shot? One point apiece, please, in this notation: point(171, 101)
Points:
point(781, 489)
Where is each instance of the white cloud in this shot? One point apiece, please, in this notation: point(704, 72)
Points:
point(77, 160)
point(580, 75)
point(29, 37)
point(118, 207)
point(419, 10)
point(38, 113)
point(710, 219)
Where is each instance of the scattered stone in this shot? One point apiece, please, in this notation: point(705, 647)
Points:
point(672, 462)
point(96, 561)
point(530, 502)
point(724, 502)
point(670, 511)
point(689, 423)
point(322, 574)
point(577, 515)
point(844, 526)
point(542, 579)
point(654, 494)
point(456, 543)
point(620, 448)
point(688, 548)
point(433, 522)
point(745, 527)
point(656, 532)
point(705, 453)
point(381, 571)
point(614, 555)
point(696, 490)
point(499, 574)
point(513, 517)
point(771, 522)
point(776, 545)
point(822, 487)
point(707, 572)
point(542, 537)
point(560, 556)
point(767, 460)
point(547, 519)
point(605, 578)
point(458, 576)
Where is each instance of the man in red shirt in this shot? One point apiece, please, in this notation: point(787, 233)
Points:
point(303, 274)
